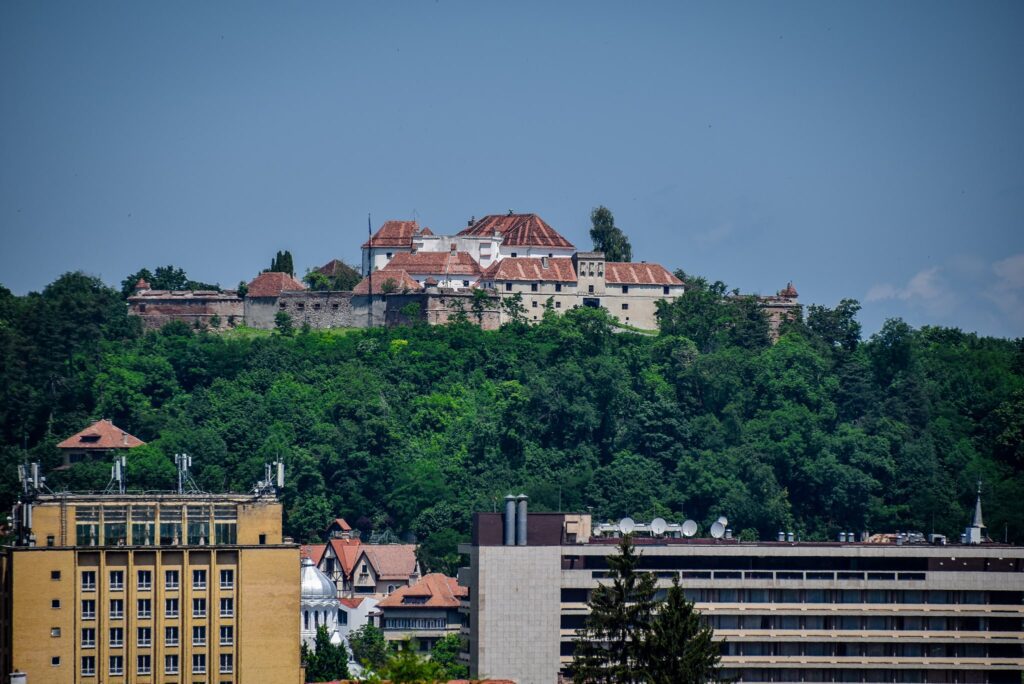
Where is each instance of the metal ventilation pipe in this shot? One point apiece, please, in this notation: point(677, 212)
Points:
point(521, 520)
point(510, 520)
point(842, 537)
point(782, 536)
point(789, 537)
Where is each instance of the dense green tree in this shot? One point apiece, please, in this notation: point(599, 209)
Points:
point(445, 654)
point(611, 647)
point(325, 662)
point(282, 263)
point(283, 323)
point(607, 237)
point(679, 648)
point(369, 648)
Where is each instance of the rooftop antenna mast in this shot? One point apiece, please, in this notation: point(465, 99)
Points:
point(185, 481)
point(273, 479)
point(117, 476)
point(32, 483)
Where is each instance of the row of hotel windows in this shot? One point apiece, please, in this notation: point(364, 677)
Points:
point(144, 608)
point(113, 522)
point(145, 579)
point(854, 650)
point(144, 664)
point(903, 596)
point(847, 622)
point(145, 636)
point(862, 675)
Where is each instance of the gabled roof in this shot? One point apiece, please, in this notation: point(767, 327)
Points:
point(347, 551)
point(625, 273)
point(559, 269)
point(351, 602)
point(432, 591)
point(334, 267)
point(272, 283)
point(341, 524)
point(519, 230)
point(435, 263)
point(314, 552)
point(403, 282)
point(101, 435)
point(396, 234)
point(391, 561)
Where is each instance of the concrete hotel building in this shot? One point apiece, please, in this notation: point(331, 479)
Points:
point(784, 611)
point(171, 588)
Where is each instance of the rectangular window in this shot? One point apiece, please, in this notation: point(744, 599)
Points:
point(145, 608)
point(227, 661)
point(515, 254)
point(263, 539)
point(55, 575)
point(115, 526)
point(171, 607)
point(171, 664)
point(143, 665)
point(227, 579)
point(89, 637)
point(198, 663)
point(625, 306)
point(558, 287)
point(227, 607)
point(590, 289)
point(199, 579)
point(198, 525)
point(55, 661)
point(50, 540)
point(227, 635)
point(143, 525)
point(170, 525)
point(171, 580)
point(145, 580)
point(664, 290)
point(89, 580)
point(534, 303)
point(88, 609)
point(116, 637)
point(198, 607)
point(117, 665)
point(117, 580)
point(558, 305)
point(88, 666)
point(625, 289)
point(145, 636)
point(508, 287)
point(55, 631)
point(87, 526)
point(170, 636)
point(199, 635)
point(533, 287)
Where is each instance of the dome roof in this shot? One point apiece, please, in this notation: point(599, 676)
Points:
point(315, 584)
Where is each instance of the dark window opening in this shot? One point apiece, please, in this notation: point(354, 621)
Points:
point(533, 287)
point(664, 290)
point(263, 539)
point(590, 289)
point(508, 287)
point(558, 287)
point(592, 302)
point(625, 306)
point(625, 289)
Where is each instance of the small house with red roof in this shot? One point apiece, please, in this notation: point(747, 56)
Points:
point(262, 298)
point(99, 440)
point(392, 238)
point(425, 612)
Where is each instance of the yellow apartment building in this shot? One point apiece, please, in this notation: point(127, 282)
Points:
point(144, 588)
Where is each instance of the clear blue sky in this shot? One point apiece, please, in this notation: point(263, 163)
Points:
point(865, 150)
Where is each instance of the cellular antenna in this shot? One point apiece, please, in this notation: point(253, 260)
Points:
point(117, 476)
point(185, 481)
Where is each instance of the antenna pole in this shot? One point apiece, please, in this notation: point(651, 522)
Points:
point(369, 269)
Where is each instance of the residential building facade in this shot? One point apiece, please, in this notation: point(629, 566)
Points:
point(98, 441)
point(423, 612)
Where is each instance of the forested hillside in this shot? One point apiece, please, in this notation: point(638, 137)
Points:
point(414, 428)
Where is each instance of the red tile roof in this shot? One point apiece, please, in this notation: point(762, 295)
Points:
point(439, 591)
point(347, 551)
point(532, 268)
point(314, 552)
point(435, 263)
point(273, 283)
point(519, 230)
point(403, 282)
point(351, 602)
point(391, 561)
point(620, 273)
point(101, 435)
point(396, 234)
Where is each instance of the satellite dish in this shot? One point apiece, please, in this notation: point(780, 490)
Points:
point(717, 530)
point(689, 528)
point(725, 521)
point(658, 526)
point(626, 525)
